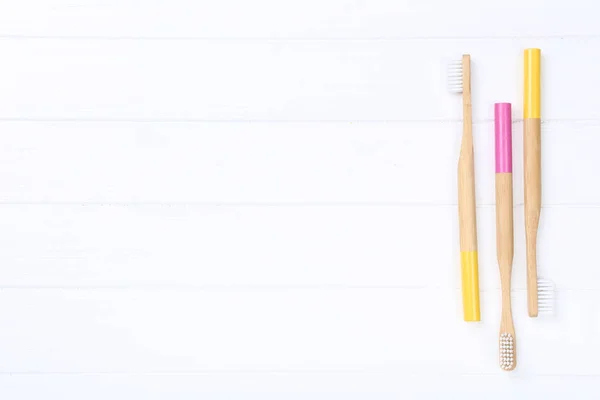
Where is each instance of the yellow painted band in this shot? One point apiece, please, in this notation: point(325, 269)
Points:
point(531, 100)
point(470, 285)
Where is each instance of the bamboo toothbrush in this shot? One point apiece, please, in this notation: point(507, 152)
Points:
point(504, 230)
point(459, 81)
point(540, 293)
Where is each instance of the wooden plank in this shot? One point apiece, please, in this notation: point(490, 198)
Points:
point(272, 386)
point(318, 330)
point(400, 163)
point(311, 18)
point(256, 246)
point(282, 80)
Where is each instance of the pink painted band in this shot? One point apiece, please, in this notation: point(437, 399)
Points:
point(503, 129)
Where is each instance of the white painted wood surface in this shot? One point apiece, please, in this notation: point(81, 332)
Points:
point(233, 199)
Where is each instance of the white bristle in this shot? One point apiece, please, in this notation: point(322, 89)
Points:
point(455, 76)
point(507, 351)
point(545, 296)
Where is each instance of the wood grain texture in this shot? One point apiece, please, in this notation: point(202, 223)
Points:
point(532, 168)
point(467, 219)
point(505, 251)
point(228, 199)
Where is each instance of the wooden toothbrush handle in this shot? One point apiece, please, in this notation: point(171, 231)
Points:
point(504, 225)
point(467, 220)
point(533, 204)
point(505, 243)
point(466, 169)
point(466, 197)
point(504, 229)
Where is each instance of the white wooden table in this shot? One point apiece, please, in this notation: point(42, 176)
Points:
point(233, 199)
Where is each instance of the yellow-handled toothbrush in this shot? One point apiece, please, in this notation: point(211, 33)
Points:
point(540, 292)
point(459, 81)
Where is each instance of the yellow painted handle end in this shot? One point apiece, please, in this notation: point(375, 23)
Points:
point(470, 285)
point(531, 100)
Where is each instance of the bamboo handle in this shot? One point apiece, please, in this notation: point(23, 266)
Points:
point(505, 253)
point(466, 170)
point(504, 227)
point(466, 198)
point(466, 205)
point(533, 205)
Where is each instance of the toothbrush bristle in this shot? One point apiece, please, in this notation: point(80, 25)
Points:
point(545, 296)
point(507, 351)
point(455, 76)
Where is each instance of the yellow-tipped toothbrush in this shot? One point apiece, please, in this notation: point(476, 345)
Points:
point(540, 293)
point(459, 81)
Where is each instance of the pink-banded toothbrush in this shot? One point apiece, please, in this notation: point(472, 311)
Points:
point(504, 230)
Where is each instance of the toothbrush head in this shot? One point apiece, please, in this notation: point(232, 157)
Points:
point(545, 296)
point(455, 76)
point(508, 350)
